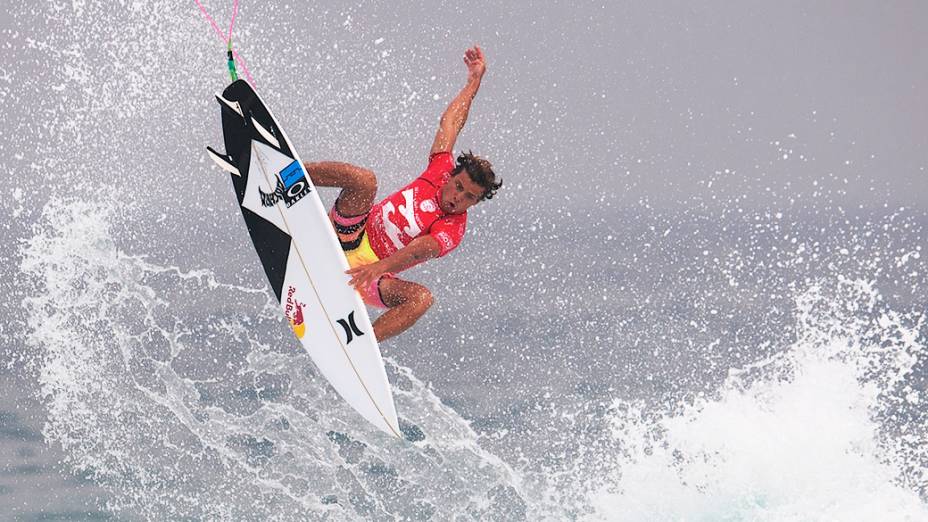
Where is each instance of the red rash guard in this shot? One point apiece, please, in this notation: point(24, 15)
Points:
point(413, 211)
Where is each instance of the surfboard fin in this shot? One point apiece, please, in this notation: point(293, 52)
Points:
point(230, 105)
point(266, 134)
point(224, 161)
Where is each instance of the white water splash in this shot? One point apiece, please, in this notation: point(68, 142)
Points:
point(165, 388)
point(817, 432)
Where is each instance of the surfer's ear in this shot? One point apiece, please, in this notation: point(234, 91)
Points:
point(491, 190)
point(481, 172)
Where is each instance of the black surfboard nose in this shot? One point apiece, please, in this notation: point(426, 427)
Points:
point(230, 106)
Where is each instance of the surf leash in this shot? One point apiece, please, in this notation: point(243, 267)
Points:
point(232, 55)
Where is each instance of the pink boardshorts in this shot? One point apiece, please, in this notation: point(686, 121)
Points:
point(358, 251)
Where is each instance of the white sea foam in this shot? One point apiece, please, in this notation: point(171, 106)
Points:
point(817, 432)
point(167, 389)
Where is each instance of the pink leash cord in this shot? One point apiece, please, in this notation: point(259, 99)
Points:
point(227, 38)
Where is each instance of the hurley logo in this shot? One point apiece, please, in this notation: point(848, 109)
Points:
point(351, 329)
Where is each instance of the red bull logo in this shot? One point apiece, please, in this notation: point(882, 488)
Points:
point(294, 312)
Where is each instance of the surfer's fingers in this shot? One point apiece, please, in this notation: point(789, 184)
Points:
point(360, 277)
point(360, 286)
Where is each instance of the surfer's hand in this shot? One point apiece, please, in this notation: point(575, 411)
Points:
point(363, 276)
point(476, 65)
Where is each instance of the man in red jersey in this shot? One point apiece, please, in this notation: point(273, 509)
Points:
point(423, 220)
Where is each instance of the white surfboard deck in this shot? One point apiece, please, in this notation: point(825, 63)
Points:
point(324, 311)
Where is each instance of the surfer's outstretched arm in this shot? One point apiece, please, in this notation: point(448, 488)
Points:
point(454, 117)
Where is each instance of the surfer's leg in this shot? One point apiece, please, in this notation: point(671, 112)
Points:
point(359, 185)
point(407, 302)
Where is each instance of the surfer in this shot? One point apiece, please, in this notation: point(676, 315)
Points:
point(424, 220)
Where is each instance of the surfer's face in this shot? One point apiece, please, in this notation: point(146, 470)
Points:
point(459, 194)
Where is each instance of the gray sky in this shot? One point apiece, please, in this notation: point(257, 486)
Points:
point(658, 99)
point(675, 102)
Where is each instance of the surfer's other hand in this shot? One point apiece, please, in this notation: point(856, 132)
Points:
point(363, 276)
point(473, 59)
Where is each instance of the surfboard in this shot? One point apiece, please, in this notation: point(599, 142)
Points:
point(301, 255)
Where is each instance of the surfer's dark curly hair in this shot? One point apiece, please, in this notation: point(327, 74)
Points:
point(480, 172)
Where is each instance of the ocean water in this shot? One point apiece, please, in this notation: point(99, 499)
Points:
point(594, 358)
point(175, 394)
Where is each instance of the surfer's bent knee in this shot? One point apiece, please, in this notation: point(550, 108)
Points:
point(367, 181)
point(425, 300)
point(358, 193)
point(346, 176)
point(420, 298)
